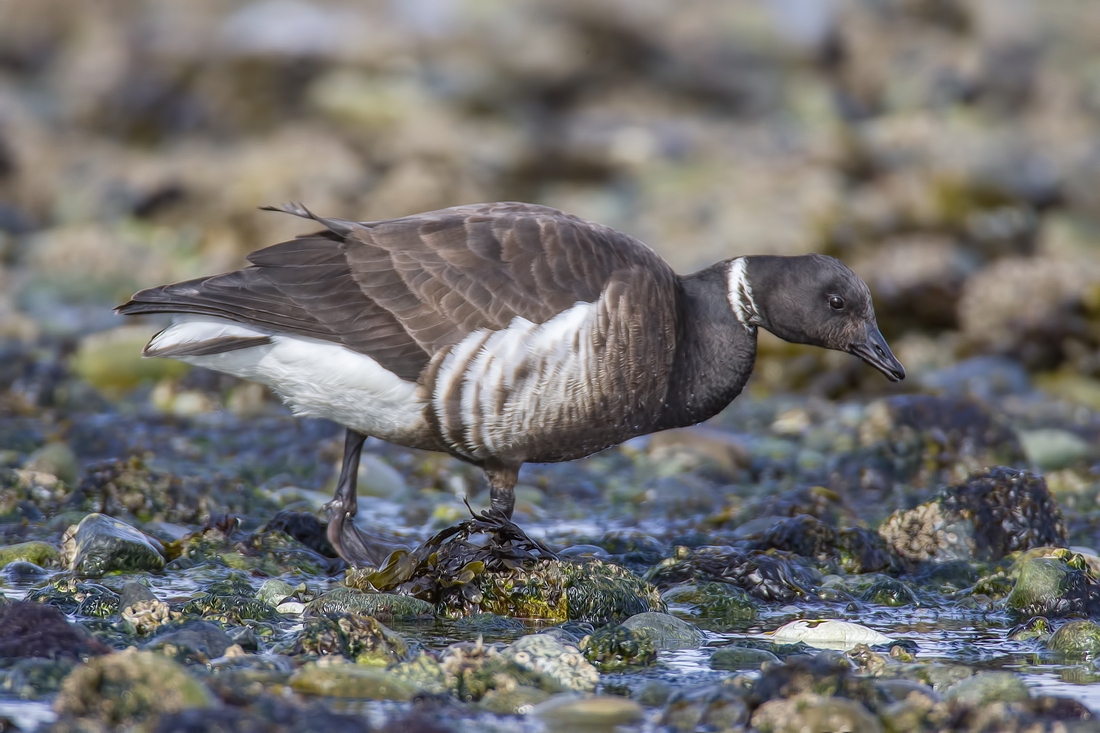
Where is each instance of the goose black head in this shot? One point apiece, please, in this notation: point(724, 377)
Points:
point(811, 299)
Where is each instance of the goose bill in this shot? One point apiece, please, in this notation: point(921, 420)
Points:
point(876, 352)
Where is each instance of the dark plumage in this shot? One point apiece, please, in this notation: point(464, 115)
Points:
point(501, 334)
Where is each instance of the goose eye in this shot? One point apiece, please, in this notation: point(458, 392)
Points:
point(836, 302)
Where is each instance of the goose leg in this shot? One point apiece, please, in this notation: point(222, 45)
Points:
point(502, 488)
point(348, 541)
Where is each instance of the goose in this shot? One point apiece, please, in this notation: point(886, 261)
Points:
point(501, 334)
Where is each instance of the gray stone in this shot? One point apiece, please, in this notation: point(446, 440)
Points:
point(665, 630)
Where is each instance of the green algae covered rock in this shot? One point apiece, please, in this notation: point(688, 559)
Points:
point(362, 639)
point(380, 605)
point(328, 678)
point(718, 604)
point(130, 687)
point(39, 553)
point(1076, 638)
point(101, 545)
point(615, 648)
point(1054, 587)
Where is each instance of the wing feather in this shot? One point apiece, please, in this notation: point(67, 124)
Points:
point(399, 290)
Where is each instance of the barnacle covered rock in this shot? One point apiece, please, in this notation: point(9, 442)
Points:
point(991, 514)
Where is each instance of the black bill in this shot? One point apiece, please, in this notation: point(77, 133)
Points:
point(876, 352)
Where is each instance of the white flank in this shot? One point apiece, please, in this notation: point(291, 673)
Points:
point(315, 378)
point(739, 293)
point(557, 377)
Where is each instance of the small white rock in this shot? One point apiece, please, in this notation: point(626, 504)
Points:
point(830, 634)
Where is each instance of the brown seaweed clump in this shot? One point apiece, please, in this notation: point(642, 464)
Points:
point(487, 564)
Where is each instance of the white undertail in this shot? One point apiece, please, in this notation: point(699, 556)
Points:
point(315, 378)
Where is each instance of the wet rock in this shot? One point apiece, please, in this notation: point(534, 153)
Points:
point(1053, 587)
point(100, 545)
point(600, 712)
point(614, 648)
point(665, 631)
point(990, 515)
point(328, 678)
point(741, 657)
point(1036, 627)
point(35, 630)
point(1076, 638)
point(132, 592)
point(21, 571)
point(720, 706)
point(130, 687)
point(719, 604)
point(34, 678)
point(772, 576)
point(380, 605)
point(600, 593)
point(986, 688)
point(193, 642)
point(41, 554)
point(362, 639)
point(890, 592)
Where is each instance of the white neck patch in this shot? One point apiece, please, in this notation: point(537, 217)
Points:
point(740, 294)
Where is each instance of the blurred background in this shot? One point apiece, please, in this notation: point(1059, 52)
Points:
point(948, 150)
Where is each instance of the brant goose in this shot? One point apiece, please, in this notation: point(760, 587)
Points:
point(500, 334)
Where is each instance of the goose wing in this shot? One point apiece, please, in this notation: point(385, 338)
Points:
point(400, 290)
